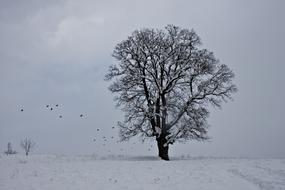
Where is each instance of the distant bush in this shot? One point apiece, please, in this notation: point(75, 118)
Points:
point(27, 144)
point(10, 150)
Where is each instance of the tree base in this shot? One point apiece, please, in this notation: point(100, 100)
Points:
point(166, 158)
point(162, 150)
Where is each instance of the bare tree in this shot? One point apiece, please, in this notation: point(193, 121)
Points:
point(164, 82)
point(10, 149)
point(27, 144)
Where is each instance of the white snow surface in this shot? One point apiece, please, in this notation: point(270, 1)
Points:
point(55, 172)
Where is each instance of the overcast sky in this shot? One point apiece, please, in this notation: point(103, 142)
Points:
point(57, 52)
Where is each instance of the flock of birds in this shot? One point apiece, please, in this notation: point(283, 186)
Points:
point(103, 140)
point(52, 108)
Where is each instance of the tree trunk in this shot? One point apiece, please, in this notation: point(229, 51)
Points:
point(162, 150)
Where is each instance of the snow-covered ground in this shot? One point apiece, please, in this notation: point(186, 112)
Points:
point(51, 172)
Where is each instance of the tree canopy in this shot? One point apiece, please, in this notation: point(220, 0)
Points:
point(164, 82)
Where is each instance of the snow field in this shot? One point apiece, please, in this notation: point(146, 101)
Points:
point(45, 172)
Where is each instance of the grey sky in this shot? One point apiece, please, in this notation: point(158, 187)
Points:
point(57, 52)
